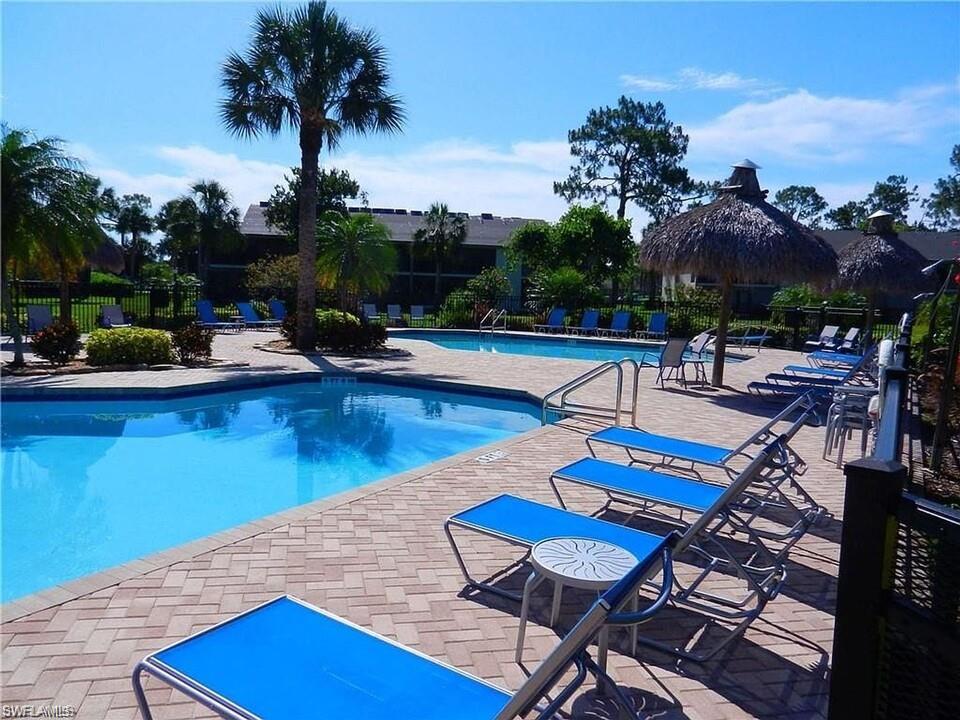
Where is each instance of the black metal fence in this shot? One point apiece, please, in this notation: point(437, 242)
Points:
point(897, 632)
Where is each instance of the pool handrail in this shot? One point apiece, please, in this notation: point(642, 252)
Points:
point(566, 408)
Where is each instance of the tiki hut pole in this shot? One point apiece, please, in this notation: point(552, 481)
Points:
point(739, 237)
point(879, 261)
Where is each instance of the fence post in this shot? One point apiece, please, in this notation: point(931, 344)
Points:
point(873, 491)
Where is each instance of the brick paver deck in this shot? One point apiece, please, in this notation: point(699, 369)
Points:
point(379, 557)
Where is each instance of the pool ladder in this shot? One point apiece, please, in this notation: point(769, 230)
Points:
point(494, 320)
point(558, 401)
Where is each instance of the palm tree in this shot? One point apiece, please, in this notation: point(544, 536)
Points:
point(308, 69)
point(218, 221)
point(133, 218)
point(45, 206)
point(177, 220)
point(441, 233)
point(355, 255)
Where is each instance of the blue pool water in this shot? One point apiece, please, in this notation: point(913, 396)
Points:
point(89, 485)
point(546, 346)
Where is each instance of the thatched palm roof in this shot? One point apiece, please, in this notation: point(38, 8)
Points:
point(739, 236)
point(880, 261)
point(106, 256)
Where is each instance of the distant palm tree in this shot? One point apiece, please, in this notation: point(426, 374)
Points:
point(441, 233)
point(355, 255)
point(218, 221)
point(47, 205)
point(134, 219)
point(309, 70)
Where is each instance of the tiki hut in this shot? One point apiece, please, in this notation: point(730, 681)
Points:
point(106, 255)
point(879, 261)
point(739, 237)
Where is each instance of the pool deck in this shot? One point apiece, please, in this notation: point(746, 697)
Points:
point(378, 556)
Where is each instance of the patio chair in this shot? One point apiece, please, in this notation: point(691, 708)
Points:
point(252, 319)
point(672, 364)
point(644, 490)
point(588, 323)
point(619, 324)
point(38, 317)
point(288, 659)
point(524, 523)
point(825, 358)
point(208, 317)
point(554, 321)
point(278, 310)
point(394, 314)
point(752, 337)
point(112, 317)
point(656, 328)
point(848, 344)
point(698, 346)
point(417, 315)
point(371, 313)
point(793, 381)
point(827, 335)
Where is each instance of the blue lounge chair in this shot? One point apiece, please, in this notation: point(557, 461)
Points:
point(588, 323)
point(371, 312)
point(394, 314)
point(38, 317)
point(822, 358)
point(656, 328)
point(278, 310)
point(112, 316)
point(673, 361)
point(524, 523)
point(824, 339)
point(619, 324)
point(790, 383)
point(554, 321)
point(287, 659)
point(416, 315)
point(252, 319)
point(208, 318)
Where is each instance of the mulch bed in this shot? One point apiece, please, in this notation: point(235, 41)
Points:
point(80, 367)
point(282, 347)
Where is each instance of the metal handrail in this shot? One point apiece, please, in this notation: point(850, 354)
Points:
point(500, 317)
point(566, 407)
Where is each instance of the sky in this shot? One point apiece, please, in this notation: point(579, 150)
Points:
point(835, 95)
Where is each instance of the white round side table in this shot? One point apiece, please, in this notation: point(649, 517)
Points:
point(575, 562)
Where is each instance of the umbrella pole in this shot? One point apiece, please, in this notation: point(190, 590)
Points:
point(720, 344)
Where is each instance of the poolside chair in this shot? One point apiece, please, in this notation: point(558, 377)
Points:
point(394, 314)
point(588, 323)
point(698, 346)
point(208, 317)
point(827, 335)
point(252, 319)
point(416, 315)
point(848, 344)
point(644, 490)
point(38, 317)
point(288, 659)
point(827, 358)
point(371, 313)
point(792, 382)
point(619, 324)
point(554, 321)
point(524, 523)
point(112, 317)
point(672, 364)
point(656, 328)
point(751, 337)
point(278, 310)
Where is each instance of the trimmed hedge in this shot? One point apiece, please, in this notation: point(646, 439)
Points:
point(129, 346)
point(339, 331)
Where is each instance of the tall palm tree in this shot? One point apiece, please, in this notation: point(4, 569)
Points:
point(45, 204)
point(218, 221)
point(309, 70)
point(134, 219)
point(177, 220)
point(441, 233)
point(355, 255)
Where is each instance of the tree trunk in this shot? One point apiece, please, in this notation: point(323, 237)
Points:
point(14, 321)
point(868, 326)
point(436, 283)
point(66, 311)
point(310, 142)
point(720, 344)
point(622, 206)
point(410, 274)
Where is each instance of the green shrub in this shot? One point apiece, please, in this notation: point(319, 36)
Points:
point(129, 346)
point(58, 343)
point(192, 342)
point(339, 331)
point(457, 309)
point(567, 288)
point(109, 284)
point(489, 286)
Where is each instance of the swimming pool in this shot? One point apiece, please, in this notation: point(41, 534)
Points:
point(578, 348)
point(89, 485)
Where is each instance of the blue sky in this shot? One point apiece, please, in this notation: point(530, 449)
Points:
point(833, 95)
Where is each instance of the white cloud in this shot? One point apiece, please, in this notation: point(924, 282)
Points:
point(693, 78)
point(804, 128)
